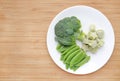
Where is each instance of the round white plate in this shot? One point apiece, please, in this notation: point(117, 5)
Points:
point(87, 16)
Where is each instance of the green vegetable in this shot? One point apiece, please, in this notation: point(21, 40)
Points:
point(87, 58)
point(66, 51)
point(77, 58)
point(66, 40)
point(69, 48)
point(62, 57)
point(61, 48)
point(74, 68)
point(58, 46)
point(71, 56)
point(67, 66)
point(81, 36)
point(62, 26)
point(65, 29)
point(70, 52)
point(76, 24)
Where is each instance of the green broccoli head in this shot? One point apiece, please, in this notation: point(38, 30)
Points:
point(70, 40)
point(67, 26)
point(76, 24)
point(65, 29)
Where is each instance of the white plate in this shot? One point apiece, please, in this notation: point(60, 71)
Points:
point(87, 16)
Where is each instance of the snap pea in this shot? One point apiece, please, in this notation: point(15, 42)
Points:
point(75, 68)
point(70, 52)
point(61, 48)
point(71, 67)
point(58, 47)
point(71, 56)
point(61, 58)
point(77, 58)
point(85, 60)
point(67, 50)
point(67, 66)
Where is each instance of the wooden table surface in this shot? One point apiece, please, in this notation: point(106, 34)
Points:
point(23, 50)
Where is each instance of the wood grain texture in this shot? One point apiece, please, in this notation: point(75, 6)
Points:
point(23, 50)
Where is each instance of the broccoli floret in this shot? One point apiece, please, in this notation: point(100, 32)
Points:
point(65, 29)
point(80, 35)
point(67, 26)
point(70, 40)
point(76, 23)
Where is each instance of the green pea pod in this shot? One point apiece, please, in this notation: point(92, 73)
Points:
point(85, 60)
point(71, 56)
point(74, 68)
point(67, 66)
point(62, 56)
point(67, 50)
point(62, 49)
point(77, 58)
point(71, 67)
point(58, 47)
point(70, 52)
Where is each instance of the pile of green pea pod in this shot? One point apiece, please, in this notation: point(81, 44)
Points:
point(73, 56)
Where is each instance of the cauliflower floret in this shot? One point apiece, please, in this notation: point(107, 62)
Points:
point(100, 33)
